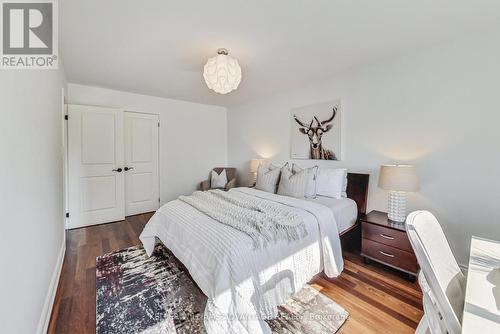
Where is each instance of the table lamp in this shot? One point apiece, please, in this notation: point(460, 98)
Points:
point(254, 164)
point(398, 179)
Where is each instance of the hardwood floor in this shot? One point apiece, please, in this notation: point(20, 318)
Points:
point(379, 299)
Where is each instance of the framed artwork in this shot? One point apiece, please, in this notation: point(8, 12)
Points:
point(316, 131)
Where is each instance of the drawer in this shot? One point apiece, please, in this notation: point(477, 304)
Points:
point(390, 255)
point(387, 236)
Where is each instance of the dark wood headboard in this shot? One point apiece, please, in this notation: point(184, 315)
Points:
point(357, 190)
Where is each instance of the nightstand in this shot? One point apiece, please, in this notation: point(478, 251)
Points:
point(386, 242)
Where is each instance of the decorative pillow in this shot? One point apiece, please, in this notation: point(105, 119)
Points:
point(293, 184)
point(330, 182)
point(218, 180)
point(267, 177)
point(312, 172)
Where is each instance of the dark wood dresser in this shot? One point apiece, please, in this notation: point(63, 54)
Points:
point(386, 242)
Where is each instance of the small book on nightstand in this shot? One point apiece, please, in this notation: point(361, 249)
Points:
point(387, 242)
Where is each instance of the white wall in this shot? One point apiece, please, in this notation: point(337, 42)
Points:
point(192, 136)
point(438, 109)
point(31, 196)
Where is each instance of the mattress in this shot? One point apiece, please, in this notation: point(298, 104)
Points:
point(345, 210)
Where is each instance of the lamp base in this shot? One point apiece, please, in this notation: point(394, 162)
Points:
point(253, 179)
point(397, 206)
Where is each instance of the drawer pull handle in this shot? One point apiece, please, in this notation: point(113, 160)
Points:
point(386, 236)
point(386, 254)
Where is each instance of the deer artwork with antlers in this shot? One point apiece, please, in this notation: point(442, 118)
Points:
point(316, 150)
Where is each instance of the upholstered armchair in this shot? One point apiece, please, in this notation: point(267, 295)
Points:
point(231, 179)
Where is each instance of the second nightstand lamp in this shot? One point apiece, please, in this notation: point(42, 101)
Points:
point(398, 179)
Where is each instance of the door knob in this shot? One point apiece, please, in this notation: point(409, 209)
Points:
point(128, 168)
point(119, 170)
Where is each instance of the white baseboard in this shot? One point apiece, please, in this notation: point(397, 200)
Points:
point(43, 323)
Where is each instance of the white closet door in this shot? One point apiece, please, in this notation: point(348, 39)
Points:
point(141, 163)
point(96, 176)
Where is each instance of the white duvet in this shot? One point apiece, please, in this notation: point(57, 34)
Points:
point(245, 285)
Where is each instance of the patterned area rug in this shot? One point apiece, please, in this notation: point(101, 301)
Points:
point(141, 294)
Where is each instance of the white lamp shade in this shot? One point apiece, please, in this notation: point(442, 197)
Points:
point(222, 73)
point(254, 164)
point(398, 178)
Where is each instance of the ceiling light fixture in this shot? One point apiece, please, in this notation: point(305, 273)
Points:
point(222, 73)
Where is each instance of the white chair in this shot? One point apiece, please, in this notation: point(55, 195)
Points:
point(440, 277)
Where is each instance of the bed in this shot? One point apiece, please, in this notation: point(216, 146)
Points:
point(245, 284)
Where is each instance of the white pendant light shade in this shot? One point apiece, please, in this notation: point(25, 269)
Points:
point(222, 73)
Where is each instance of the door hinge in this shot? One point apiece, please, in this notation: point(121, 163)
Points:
point(158, 124)
point(158, 199)
point(67, 214)
point(66, 117)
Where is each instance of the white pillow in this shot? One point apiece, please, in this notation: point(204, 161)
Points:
point(293, 184)
point(218, 180)
point(267, 177)
point(312, 172)
point(330, 182)
point(344, 186)
point(273, 166)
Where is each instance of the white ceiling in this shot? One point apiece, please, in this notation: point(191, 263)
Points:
point(159, 47)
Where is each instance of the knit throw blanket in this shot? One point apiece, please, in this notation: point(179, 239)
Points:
point(263, 220)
